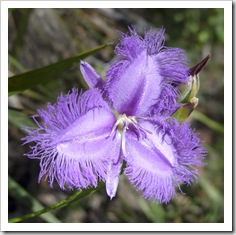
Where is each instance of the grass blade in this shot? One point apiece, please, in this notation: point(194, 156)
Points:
point(19, 119)
point(74, 197)
point(21, 195)
point(21, 82)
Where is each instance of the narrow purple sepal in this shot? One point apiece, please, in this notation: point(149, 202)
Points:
point(112, 178)
point(90, 75)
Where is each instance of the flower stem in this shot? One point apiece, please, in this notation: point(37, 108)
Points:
point(74, 197)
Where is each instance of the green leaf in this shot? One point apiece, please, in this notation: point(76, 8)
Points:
point(12, 60)
point(36, 95)
point(19, 119)
point(74, 197)
point(20, 194)
point(21, 82)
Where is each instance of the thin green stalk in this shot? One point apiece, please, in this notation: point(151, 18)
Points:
point(74, 197)
point(216, 126)
point(16, 191)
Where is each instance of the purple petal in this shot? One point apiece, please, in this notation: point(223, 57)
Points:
point(72, 143)
point(162, 159)
point(90, 76)
point(113, 174)
point(190, 151)
point(145, 73)
point(150, 165)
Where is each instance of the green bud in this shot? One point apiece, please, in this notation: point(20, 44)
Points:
point(184, 111)
point(190, 90)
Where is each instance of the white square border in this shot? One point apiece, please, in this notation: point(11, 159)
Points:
point(227, 225)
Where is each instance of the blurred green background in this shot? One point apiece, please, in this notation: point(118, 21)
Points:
point(39, 37)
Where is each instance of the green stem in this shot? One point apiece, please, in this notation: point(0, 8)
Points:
point(74, 197)
point(216, 126)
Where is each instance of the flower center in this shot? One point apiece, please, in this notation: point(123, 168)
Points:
point(122, 125)
point(123, 122)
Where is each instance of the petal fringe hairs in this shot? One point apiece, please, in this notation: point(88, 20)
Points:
point(86, 137)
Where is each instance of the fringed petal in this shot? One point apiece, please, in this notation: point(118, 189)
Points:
point(173, 69)
point(163, 159)
point(144, 73)
point(190, 151)
point(72, 143)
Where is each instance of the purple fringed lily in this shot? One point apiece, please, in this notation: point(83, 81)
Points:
point(87, 137)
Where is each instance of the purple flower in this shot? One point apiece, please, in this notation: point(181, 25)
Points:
point(87, 137)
